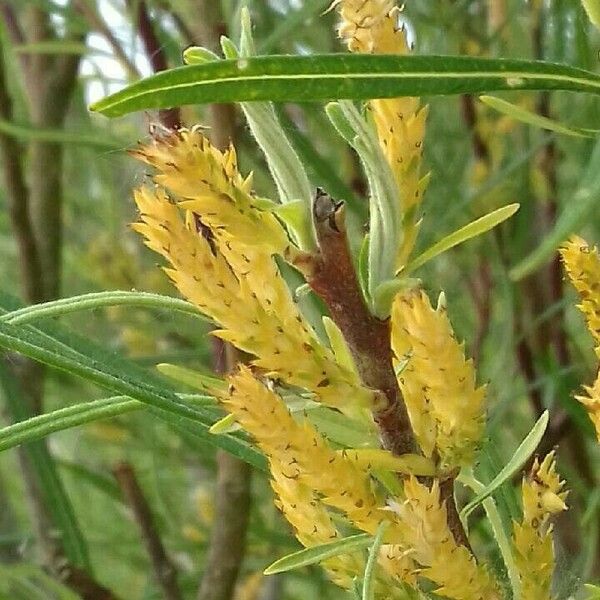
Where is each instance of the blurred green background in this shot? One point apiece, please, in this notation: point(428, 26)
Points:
point(66, 187)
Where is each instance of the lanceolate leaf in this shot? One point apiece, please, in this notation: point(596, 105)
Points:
point(519, 458)
point(368, 591)
point(66, 351)
point(464, 234)
point(341, 76)
point(531, 118)
point(42, 425)
point(317, 554)
point(582, 203)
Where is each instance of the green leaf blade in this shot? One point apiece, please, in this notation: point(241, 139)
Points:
point(329, 77)
point(317, 554)
point(523, 452)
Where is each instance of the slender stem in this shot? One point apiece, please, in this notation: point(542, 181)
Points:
point(331, 275)
point(170, 117)
point(467, 478)
point(17, 196)
point(164, 570)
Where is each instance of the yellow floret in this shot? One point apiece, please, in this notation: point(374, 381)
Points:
point(592, 403)
point(208, 183)
point(543, 496)
point(451, 566)
point(438, 385)
point(249, 300)
point(302, 451)
point(582, 264)
point(373, 26)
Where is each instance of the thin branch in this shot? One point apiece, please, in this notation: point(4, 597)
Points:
point(96, 21)
point(227, 540)
point(17, 196)
point(163, 569)
point(454, 523)
point(15, 33)
point(170, 117)
point(330, 273)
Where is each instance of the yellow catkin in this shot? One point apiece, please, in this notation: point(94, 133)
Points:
point(303, 452)
point(591, 401)
point(438, 384)
point(269, 326)
point(449, 565)
point(543, 496)
point(582, 264)
point(372, 26)
point(307, 472)
point(208, 182)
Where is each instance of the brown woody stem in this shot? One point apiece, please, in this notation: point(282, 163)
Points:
point(164, 570)
point(331, 274)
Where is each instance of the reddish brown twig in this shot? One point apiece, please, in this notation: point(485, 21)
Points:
point(331, 275)
point(163, 569)
point(170, 117)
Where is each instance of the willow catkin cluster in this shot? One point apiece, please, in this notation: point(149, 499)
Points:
point(373, 27)
point(445, 405)
point(582, 264)
point(543, 497)
point(303, 453)
point(449, 565)
point(313, 525)
point(220, 247)
point(309, 476)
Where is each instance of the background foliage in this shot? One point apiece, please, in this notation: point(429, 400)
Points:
point(66, 524)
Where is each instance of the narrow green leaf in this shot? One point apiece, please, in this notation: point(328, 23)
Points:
point(573, 216)
point(519, 458)
point(317, 554)
point(66, 351)
point(25, 131)
point(35, 428)
point(195, 379)
point(337, 76)
point(368, 590)
point(463, 234)
point(284, 165)
point(385, 232)
point(197, 55)
point(64, 306)
point(467, 478)
point(531, 118)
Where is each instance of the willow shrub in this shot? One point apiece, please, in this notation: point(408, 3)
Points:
point(372, 501)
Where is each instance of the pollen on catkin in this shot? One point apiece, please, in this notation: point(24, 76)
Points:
point(582, 264)
point(449, 565)
point(445, 406)
point(313, 526)
point(373, 26)
point(591, 401)
point(543, 497)
point(303, 454)
point(207, 182)
point(219, 278)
